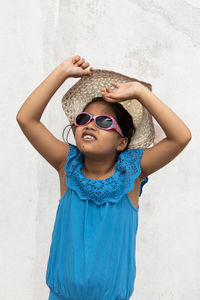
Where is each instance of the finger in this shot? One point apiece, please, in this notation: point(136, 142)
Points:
point(114, 84)
point(79, 63)
point(87, 72)
point(105, 94)
point(75, 58)
point(85, 65)
point(91, 70)
point(108, 89)
point(103, 90)
point(108, 98)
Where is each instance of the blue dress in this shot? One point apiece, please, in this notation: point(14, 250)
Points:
point(92, 252)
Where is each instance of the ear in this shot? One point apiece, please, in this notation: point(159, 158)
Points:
point(122, 144)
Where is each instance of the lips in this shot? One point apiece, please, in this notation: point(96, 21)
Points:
point(87, 132)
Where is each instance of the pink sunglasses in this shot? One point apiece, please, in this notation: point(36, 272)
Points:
point(105, 122)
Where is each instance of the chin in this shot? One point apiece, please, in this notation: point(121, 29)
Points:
point(85, 146)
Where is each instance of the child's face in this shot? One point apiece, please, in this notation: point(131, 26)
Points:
point(107, 141)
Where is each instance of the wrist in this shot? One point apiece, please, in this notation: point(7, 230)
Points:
point(63, 71)
point(139, 90)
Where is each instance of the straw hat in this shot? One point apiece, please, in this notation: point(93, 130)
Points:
point(89, 87)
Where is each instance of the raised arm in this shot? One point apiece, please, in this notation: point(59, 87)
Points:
point(177, 133)
point(29, 115)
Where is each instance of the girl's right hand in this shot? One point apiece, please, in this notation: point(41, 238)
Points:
point(76, 66)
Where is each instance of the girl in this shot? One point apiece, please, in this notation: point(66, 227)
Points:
point(92, 254)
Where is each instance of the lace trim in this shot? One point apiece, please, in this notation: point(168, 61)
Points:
point(111, 189)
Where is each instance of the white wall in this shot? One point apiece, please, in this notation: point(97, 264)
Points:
point(155, 41)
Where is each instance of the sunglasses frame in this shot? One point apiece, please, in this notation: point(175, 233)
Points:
point(114, 124)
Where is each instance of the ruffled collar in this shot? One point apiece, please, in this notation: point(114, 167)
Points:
point(100, 191)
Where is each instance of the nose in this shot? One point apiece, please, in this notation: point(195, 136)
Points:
point(91, 125)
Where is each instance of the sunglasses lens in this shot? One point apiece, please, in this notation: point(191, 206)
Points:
point(82, 119)
point(104, 121)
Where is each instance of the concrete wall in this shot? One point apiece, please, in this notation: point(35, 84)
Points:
point(155, 41)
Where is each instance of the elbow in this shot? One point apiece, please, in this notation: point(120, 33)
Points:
point(183, 139)
point(190, 137)
point(187, 136)
point(20, 120)
point(17, 118)
point(187, 139)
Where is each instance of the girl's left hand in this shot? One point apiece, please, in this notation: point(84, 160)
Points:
point(124, 91)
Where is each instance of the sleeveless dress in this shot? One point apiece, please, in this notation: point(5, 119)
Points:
point(92, 252)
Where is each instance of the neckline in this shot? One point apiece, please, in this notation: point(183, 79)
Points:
point(99, 179)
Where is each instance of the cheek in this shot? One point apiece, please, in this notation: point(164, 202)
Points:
point(78, 132)
point(108, 137)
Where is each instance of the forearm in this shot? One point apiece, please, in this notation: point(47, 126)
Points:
point(35, 104)
point(172, 125)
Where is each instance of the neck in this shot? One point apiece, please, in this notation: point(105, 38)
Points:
point(98, 169)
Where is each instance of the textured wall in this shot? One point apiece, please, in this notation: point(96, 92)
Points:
point(155, 41)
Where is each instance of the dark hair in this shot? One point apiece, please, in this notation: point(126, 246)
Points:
point(123, 118)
